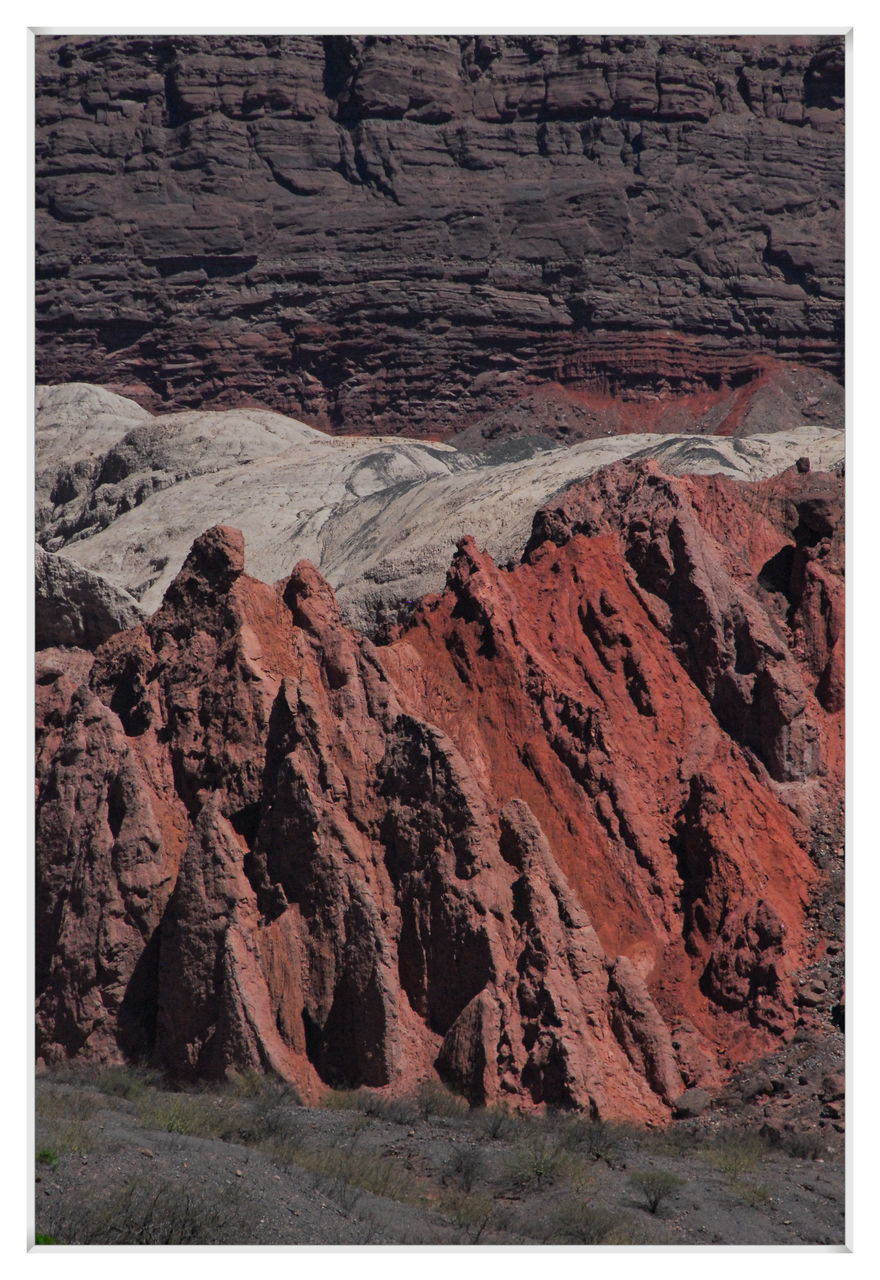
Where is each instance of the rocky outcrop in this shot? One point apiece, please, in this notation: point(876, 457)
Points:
point(408, 234)
point(752, 604)
point(514, 847)
point(125, 493)
point(74, 606)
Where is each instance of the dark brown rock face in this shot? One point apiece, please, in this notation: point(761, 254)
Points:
point(409, 233)
point(526, 845)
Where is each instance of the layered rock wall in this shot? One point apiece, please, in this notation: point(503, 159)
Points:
point(402, 233)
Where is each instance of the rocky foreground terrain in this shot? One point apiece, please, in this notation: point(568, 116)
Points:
point(422, 235)
point(123, 1160)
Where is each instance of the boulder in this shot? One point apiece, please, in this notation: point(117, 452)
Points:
point(76, 606)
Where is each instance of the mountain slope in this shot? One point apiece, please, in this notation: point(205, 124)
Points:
point(125, 494)
point(541, 843)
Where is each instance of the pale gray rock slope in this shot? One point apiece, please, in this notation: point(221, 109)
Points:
point(125, 493)
point(75, 606)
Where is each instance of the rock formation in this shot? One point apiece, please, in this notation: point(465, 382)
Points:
point(73, 606)
point(410, 235)
point(124, 493)
point(545, 843)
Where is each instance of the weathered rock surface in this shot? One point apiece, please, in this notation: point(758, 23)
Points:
point(125, 494)
point(74, 606)
point(515, 846)
point(405, 234)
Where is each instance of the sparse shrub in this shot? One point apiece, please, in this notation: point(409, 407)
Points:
point(149, 1210)
point(196, 1115)
point(803, 1146)
point(677, 1141)
point(575, 1221)
point(64, 1104)
point(340, 1100)
point(497, 1123)
point(65, 1121)
point(466, 1166)
point(570, 1130)
point(366, 1170)
point(263, 1086)
point(538, 1159)
point(129, 1082)
point(756, 1194)
point(433, 1099)
point(397, 1111)
point(736, 1153)
point(38, 1239)
point(656, 1186)
point(256, 1122)
point(603, 1140)
point(373, 1104)
point(47, 1157)
point(284, 1148)
point(473, 1214)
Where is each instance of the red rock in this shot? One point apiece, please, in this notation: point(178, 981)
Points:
point(538, 844)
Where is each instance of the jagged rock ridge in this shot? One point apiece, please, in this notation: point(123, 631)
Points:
point(402, 234)
point(124, 493)
point(536, 844)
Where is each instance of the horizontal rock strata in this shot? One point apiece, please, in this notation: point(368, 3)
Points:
point(406, 234)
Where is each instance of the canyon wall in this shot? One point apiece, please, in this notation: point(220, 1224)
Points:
point(549, 842)
point(408, 234)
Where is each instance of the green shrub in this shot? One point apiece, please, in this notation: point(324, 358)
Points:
point(377, 1106)
point(47, 1157)
point(736, 1153)
point(656, 1186)
point(473, 1214)
point(539, 1159)
point(195, 1115)
point(756, 1194)
point(262, 1086)
point(65, 1121)
point(366, 1170)
point(496, 1122)
point(63, 1104)
point(127, 1082)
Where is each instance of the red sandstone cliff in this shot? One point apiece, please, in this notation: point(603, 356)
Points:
point(550, 842)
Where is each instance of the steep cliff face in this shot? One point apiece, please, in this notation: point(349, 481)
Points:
point(402, 233)
point(516, 846)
